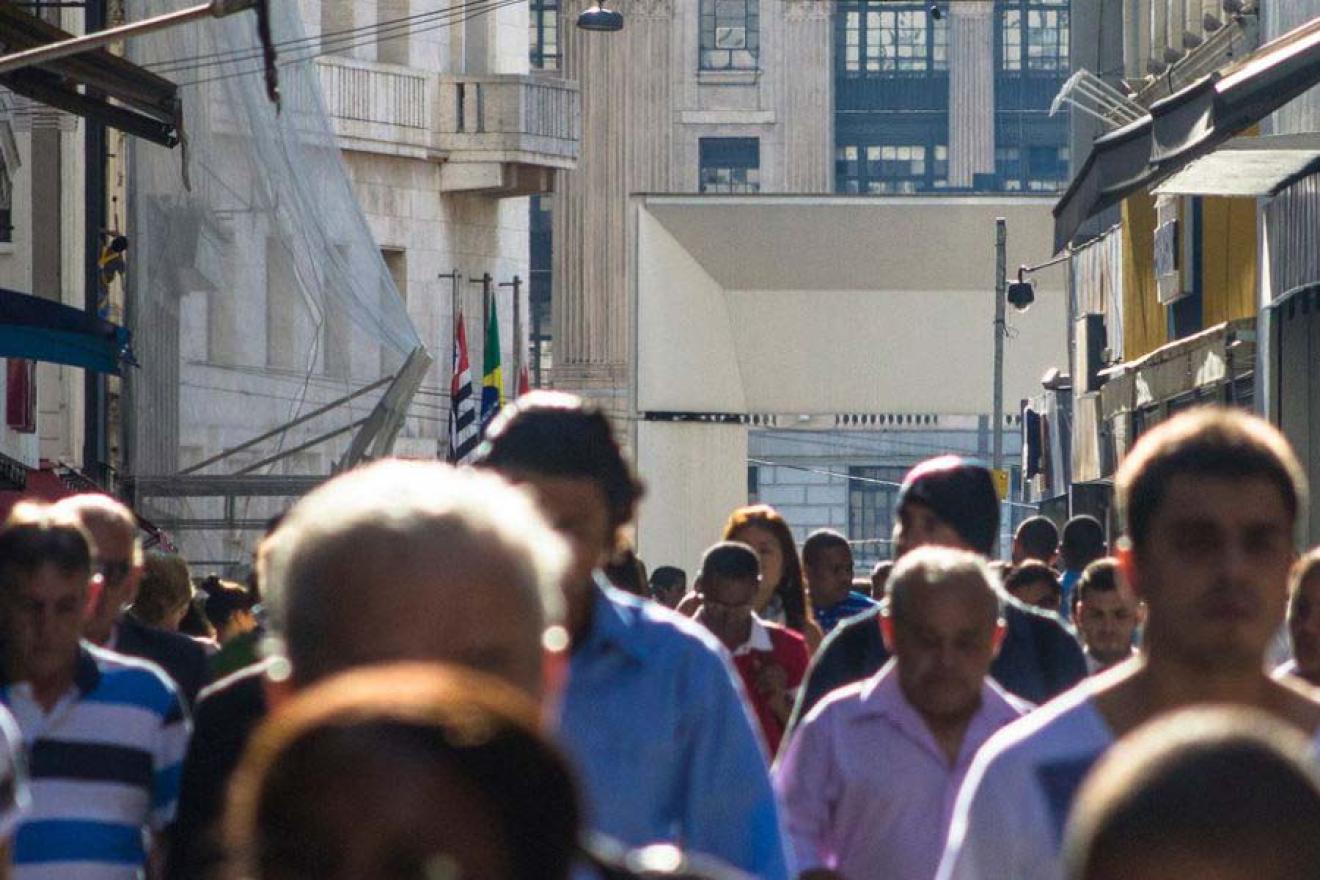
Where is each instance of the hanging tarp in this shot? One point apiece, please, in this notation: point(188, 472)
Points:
point(43, 330)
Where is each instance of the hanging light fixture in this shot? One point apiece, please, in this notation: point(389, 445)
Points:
point(599, 17)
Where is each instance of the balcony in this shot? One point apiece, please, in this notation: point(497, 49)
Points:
point(502, 135)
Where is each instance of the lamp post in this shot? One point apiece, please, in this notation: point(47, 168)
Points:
point(997, 418)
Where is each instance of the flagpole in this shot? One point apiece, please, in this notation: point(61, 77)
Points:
point(516, 284)
point(454, 314)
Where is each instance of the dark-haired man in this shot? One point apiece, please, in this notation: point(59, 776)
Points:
point(1037, 537)
point(1210, 500)
point(668, 584)
point(1106, 614)
point(1082, 542)
point(951, 502)
point(827, 562)
point(106, 733)
point(771, 659)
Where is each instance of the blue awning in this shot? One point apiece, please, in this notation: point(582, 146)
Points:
point(43, 330)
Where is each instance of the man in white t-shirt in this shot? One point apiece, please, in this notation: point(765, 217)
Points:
point(1210, 502)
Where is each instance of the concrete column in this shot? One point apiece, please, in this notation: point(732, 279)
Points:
point(808, 100)
point(971, 92)
point(627, 139)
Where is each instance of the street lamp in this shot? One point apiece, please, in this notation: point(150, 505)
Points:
point(599, 17)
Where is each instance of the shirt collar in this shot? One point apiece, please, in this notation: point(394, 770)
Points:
point(613, 622)
point(757, 640)
point(87, 674)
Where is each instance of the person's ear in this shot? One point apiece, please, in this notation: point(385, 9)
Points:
point(554, 673)
point(95, 592)
point(887, 632)
point(277, 683)
point(1127, 564)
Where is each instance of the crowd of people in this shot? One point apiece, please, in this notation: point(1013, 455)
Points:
point(438, 673)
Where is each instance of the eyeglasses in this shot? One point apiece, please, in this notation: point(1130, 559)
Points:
point(114, 572)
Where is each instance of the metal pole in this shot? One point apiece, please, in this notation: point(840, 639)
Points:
point(516, 284)
point(100, 38)
point(95, 156)
point(997, 419)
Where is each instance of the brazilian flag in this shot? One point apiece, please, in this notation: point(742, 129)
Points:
point(492, 382)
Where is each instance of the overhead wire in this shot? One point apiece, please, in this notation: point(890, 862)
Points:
point(404, 23)
point(482, 7)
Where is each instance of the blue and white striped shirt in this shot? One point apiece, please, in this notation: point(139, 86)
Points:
point(104, 768)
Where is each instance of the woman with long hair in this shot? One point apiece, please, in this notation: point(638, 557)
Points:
point(782, 597)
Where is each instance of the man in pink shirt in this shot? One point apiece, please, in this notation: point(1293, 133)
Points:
point(869, 779)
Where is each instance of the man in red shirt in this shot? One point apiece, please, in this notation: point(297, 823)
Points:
point(771, 659)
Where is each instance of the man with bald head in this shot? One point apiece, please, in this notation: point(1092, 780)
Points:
point(118, 554)
point(396, 561)
point(868, 779)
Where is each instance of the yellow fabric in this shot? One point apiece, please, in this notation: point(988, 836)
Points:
point(1145, 321)
point(1228, 259)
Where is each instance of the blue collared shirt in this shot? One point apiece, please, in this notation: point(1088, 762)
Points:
point(665, 746)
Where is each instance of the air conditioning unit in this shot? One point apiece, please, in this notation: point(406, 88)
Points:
point(1091, 342)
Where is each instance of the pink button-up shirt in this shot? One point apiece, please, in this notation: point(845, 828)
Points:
point(866, 789)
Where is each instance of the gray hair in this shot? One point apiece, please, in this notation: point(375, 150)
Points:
point(935, 566)
point(418, 516)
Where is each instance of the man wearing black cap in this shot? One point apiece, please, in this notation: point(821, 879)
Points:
point(952, 502)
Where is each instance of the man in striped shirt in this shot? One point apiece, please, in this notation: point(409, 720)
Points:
point(105, 734)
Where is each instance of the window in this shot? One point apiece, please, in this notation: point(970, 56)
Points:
point(544, 37)
point(891, 168)
point(872, 494)
point(6, 205)
point(753, 484)
point(730, 165)
point(1045, 169)
point(892, 39)
point(1034, 36)
point(730, 34)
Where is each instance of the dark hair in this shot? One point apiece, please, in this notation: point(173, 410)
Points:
point(667, 576)
point(1030, 572)
point(1233, 786)
point(1306, 565)
point(223, 600)
point(819, 541)
point(36, 535)
point(1208, 441)
point(559, 435)
point(627, 571)
point(1082, 543)
point(789, 589)
point(447, 722)
point(1039, 537)
point(1101, 576)
point(730, 559)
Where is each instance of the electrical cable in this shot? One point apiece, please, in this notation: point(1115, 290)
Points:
point(210, 59)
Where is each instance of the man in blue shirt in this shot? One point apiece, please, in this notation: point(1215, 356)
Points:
point(652, 714)
point(827, 561)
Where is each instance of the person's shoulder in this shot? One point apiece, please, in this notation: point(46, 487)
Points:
point(1069, 724)
point(854, 630)
point(840, 705)
point(127, 679)
point(238, 686)
point(164, 641)
point(652, 626)
point(782, 635)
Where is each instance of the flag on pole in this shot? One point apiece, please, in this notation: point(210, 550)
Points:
point(463, 430)
point(492, 382)
point(524, 383)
